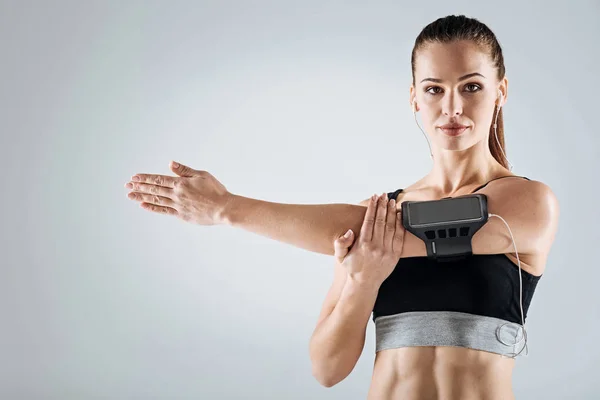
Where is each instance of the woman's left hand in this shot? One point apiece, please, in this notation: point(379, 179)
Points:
point(376, 251)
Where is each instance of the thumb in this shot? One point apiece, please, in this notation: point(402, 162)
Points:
point(182, 170)
point(342, 244)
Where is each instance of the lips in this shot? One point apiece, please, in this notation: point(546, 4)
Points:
point(453, 129)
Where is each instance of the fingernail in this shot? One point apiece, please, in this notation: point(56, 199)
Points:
point(175, 165)
point(347, 235)
point(135, 178)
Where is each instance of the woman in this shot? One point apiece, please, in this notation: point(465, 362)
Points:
point(435, 322)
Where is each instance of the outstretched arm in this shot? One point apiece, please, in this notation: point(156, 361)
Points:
point(312, 227)
point(529, 208)
point(198, 197)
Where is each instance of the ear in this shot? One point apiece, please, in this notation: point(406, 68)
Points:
point(503, 87)
point(412, 95)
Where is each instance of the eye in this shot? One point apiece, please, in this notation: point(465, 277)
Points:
point(473, 85)
point(432, 87)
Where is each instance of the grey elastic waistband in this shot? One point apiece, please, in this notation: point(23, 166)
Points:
point(448, 328)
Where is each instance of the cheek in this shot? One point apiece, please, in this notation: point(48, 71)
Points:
point(429, 108)
point(429, 101)
point(484, 115)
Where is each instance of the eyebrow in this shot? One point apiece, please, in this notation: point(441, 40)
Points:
point(462, 78)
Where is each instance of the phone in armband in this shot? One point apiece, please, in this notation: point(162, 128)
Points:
point(446, 225)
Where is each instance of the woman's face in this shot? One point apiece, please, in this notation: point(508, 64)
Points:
point(456, 83)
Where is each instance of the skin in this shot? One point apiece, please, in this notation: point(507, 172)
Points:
point(446, 372)
point(460, 164)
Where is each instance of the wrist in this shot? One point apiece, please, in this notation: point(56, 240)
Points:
point(228, 213)
point(358, 282)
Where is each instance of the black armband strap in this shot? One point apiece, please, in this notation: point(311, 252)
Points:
point(446, 226)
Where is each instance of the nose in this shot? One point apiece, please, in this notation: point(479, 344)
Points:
point(453, 105)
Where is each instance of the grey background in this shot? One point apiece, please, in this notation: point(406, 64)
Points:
point(283, 101)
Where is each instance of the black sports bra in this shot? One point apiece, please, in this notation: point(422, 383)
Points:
point(486, 285)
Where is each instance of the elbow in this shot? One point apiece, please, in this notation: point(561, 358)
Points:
point(326, 377)
point(329, 370)
point(332, 363)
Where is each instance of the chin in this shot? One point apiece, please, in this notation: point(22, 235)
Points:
point(457, 143)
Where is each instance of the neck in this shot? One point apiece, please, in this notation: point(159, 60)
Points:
point(453, 170)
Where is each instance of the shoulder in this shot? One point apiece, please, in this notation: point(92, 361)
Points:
point(525, 195)
point(531, 206)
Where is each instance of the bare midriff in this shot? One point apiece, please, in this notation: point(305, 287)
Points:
point(436, 373)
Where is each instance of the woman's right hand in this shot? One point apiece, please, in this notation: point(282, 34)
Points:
point(378, 247)
point(194, 196)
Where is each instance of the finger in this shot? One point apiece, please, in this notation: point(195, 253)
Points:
point(340, 252)
point(183, 170)
point(366, 230)
point(398, 243)
point(390, 225)
point(152, 199)
point(380, 218)
point(158, 180)
point(150, 189)
point(159, 209)
point(342, 244)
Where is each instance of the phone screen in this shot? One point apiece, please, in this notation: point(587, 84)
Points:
point(448, 210)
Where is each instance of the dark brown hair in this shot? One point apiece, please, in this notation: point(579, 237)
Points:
point(459, 27)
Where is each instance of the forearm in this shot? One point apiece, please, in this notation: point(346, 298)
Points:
point(338, 341)
point(312, 227)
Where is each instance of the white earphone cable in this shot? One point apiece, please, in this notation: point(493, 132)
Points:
point(496, 131)
point(524, 337)
point(426, 138)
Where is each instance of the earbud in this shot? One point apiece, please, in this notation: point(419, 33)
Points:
point(495, 125)
point(414, 105)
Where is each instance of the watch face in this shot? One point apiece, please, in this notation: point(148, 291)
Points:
point(426, 213)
